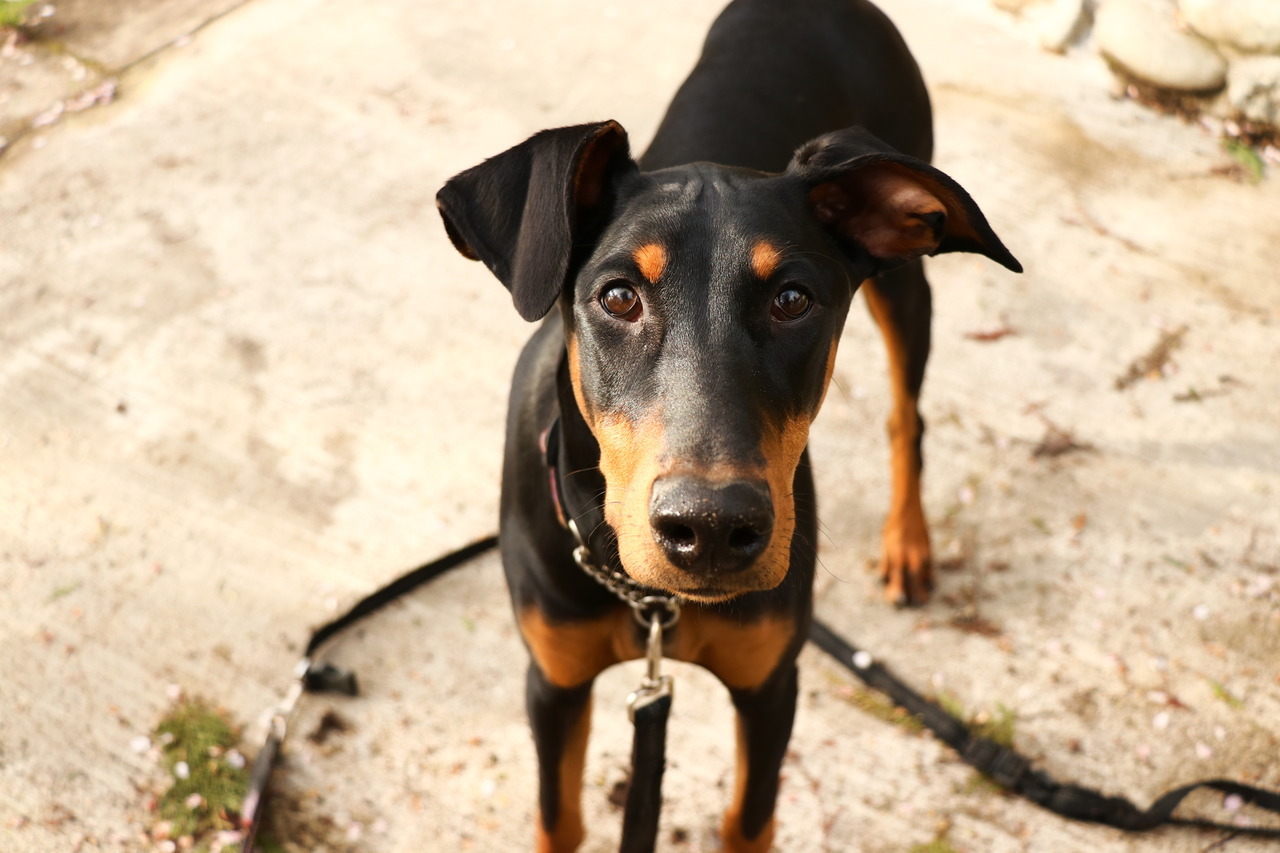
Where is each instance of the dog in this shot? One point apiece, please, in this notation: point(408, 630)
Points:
point(691, 306)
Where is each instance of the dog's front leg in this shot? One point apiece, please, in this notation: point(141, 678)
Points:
point(561, 722)
point(901, 304)
point(765, 715)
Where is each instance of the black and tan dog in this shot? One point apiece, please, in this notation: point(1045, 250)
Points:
point(698, 299)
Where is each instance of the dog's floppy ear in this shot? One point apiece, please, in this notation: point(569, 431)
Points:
point(893, 206)
point(523, 211)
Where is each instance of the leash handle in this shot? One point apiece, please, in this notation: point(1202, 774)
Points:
point(654, 685)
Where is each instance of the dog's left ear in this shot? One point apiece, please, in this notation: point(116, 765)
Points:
point(893, 206)
point(523, 212)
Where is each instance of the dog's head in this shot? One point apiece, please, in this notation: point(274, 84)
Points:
point(702, 308)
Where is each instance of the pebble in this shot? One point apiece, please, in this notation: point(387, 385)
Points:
point(1253, 87)
point(1015, 6)
point(1058, 23)
point(1142, 37)
point(1252, 25)
point(224, 839)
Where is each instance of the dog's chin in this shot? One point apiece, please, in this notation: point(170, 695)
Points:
point(709, 595)
point(704, 589)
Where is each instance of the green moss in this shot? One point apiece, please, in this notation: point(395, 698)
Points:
point(200, 736)
point(1221, 692)
point(999, 726)
point(13, 12)
point(1250, 162)
point(937, 845)
point(879, 706)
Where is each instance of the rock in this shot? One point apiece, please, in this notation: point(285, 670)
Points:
point(1251, 25)
point(1058, 23)
point(1014, 6)
point(1143, 38)
point(1253, 88)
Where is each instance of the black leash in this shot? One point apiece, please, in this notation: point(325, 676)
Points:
point(1014, 772)
point(651, 704)
point(648, 761)
point(314, 676)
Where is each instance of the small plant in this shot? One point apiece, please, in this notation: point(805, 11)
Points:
point(880, 707)
point(13, 12)
point(1247, 158)
point(1221, 692)
point(209, 778)
point(937, 845)
point(998, 727)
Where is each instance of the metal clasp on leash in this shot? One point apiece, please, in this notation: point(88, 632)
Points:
point(655, 612)
point(662, 613)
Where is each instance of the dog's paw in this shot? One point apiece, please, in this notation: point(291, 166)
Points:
point(906, 563)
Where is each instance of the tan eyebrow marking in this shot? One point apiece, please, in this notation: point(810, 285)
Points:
point(765, 258)
point(651, 258)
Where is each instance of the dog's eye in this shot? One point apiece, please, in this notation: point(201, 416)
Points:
point(790, 304)
point(622, 302)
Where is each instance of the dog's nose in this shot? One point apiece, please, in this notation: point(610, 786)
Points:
point(711, 528)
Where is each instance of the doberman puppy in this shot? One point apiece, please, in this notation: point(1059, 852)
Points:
point(699, 297)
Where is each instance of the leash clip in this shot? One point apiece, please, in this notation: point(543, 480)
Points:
point(654, 685)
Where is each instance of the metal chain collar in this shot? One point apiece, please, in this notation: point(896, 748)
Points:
point(654, 612)
point(644, 605)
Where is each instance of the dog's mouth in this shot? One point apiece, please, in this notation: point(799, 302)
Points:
point(708, 594)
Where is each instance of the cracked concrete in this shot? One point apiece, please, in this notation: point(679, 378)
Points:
point(244, 380)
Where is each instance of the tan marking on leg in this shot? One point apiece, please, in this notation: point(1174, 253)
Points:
point(905, 565)
point(765, 258)
point(572, 653)
point(651, 260)
point(731, 829)
point(740, 654)
point(567, 834)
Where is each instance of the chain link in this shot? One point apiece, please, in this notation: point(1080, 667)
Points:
point(643, 603)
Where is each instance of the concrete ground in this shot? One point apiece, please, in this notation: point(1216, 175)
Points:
point(244, 379)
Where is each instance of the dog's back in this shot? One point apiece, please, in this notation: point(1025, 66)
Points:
point(776, 73)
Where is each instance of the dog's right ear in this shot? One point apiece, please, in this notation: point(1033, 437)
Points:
point(524, 211)
point(892, 206)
